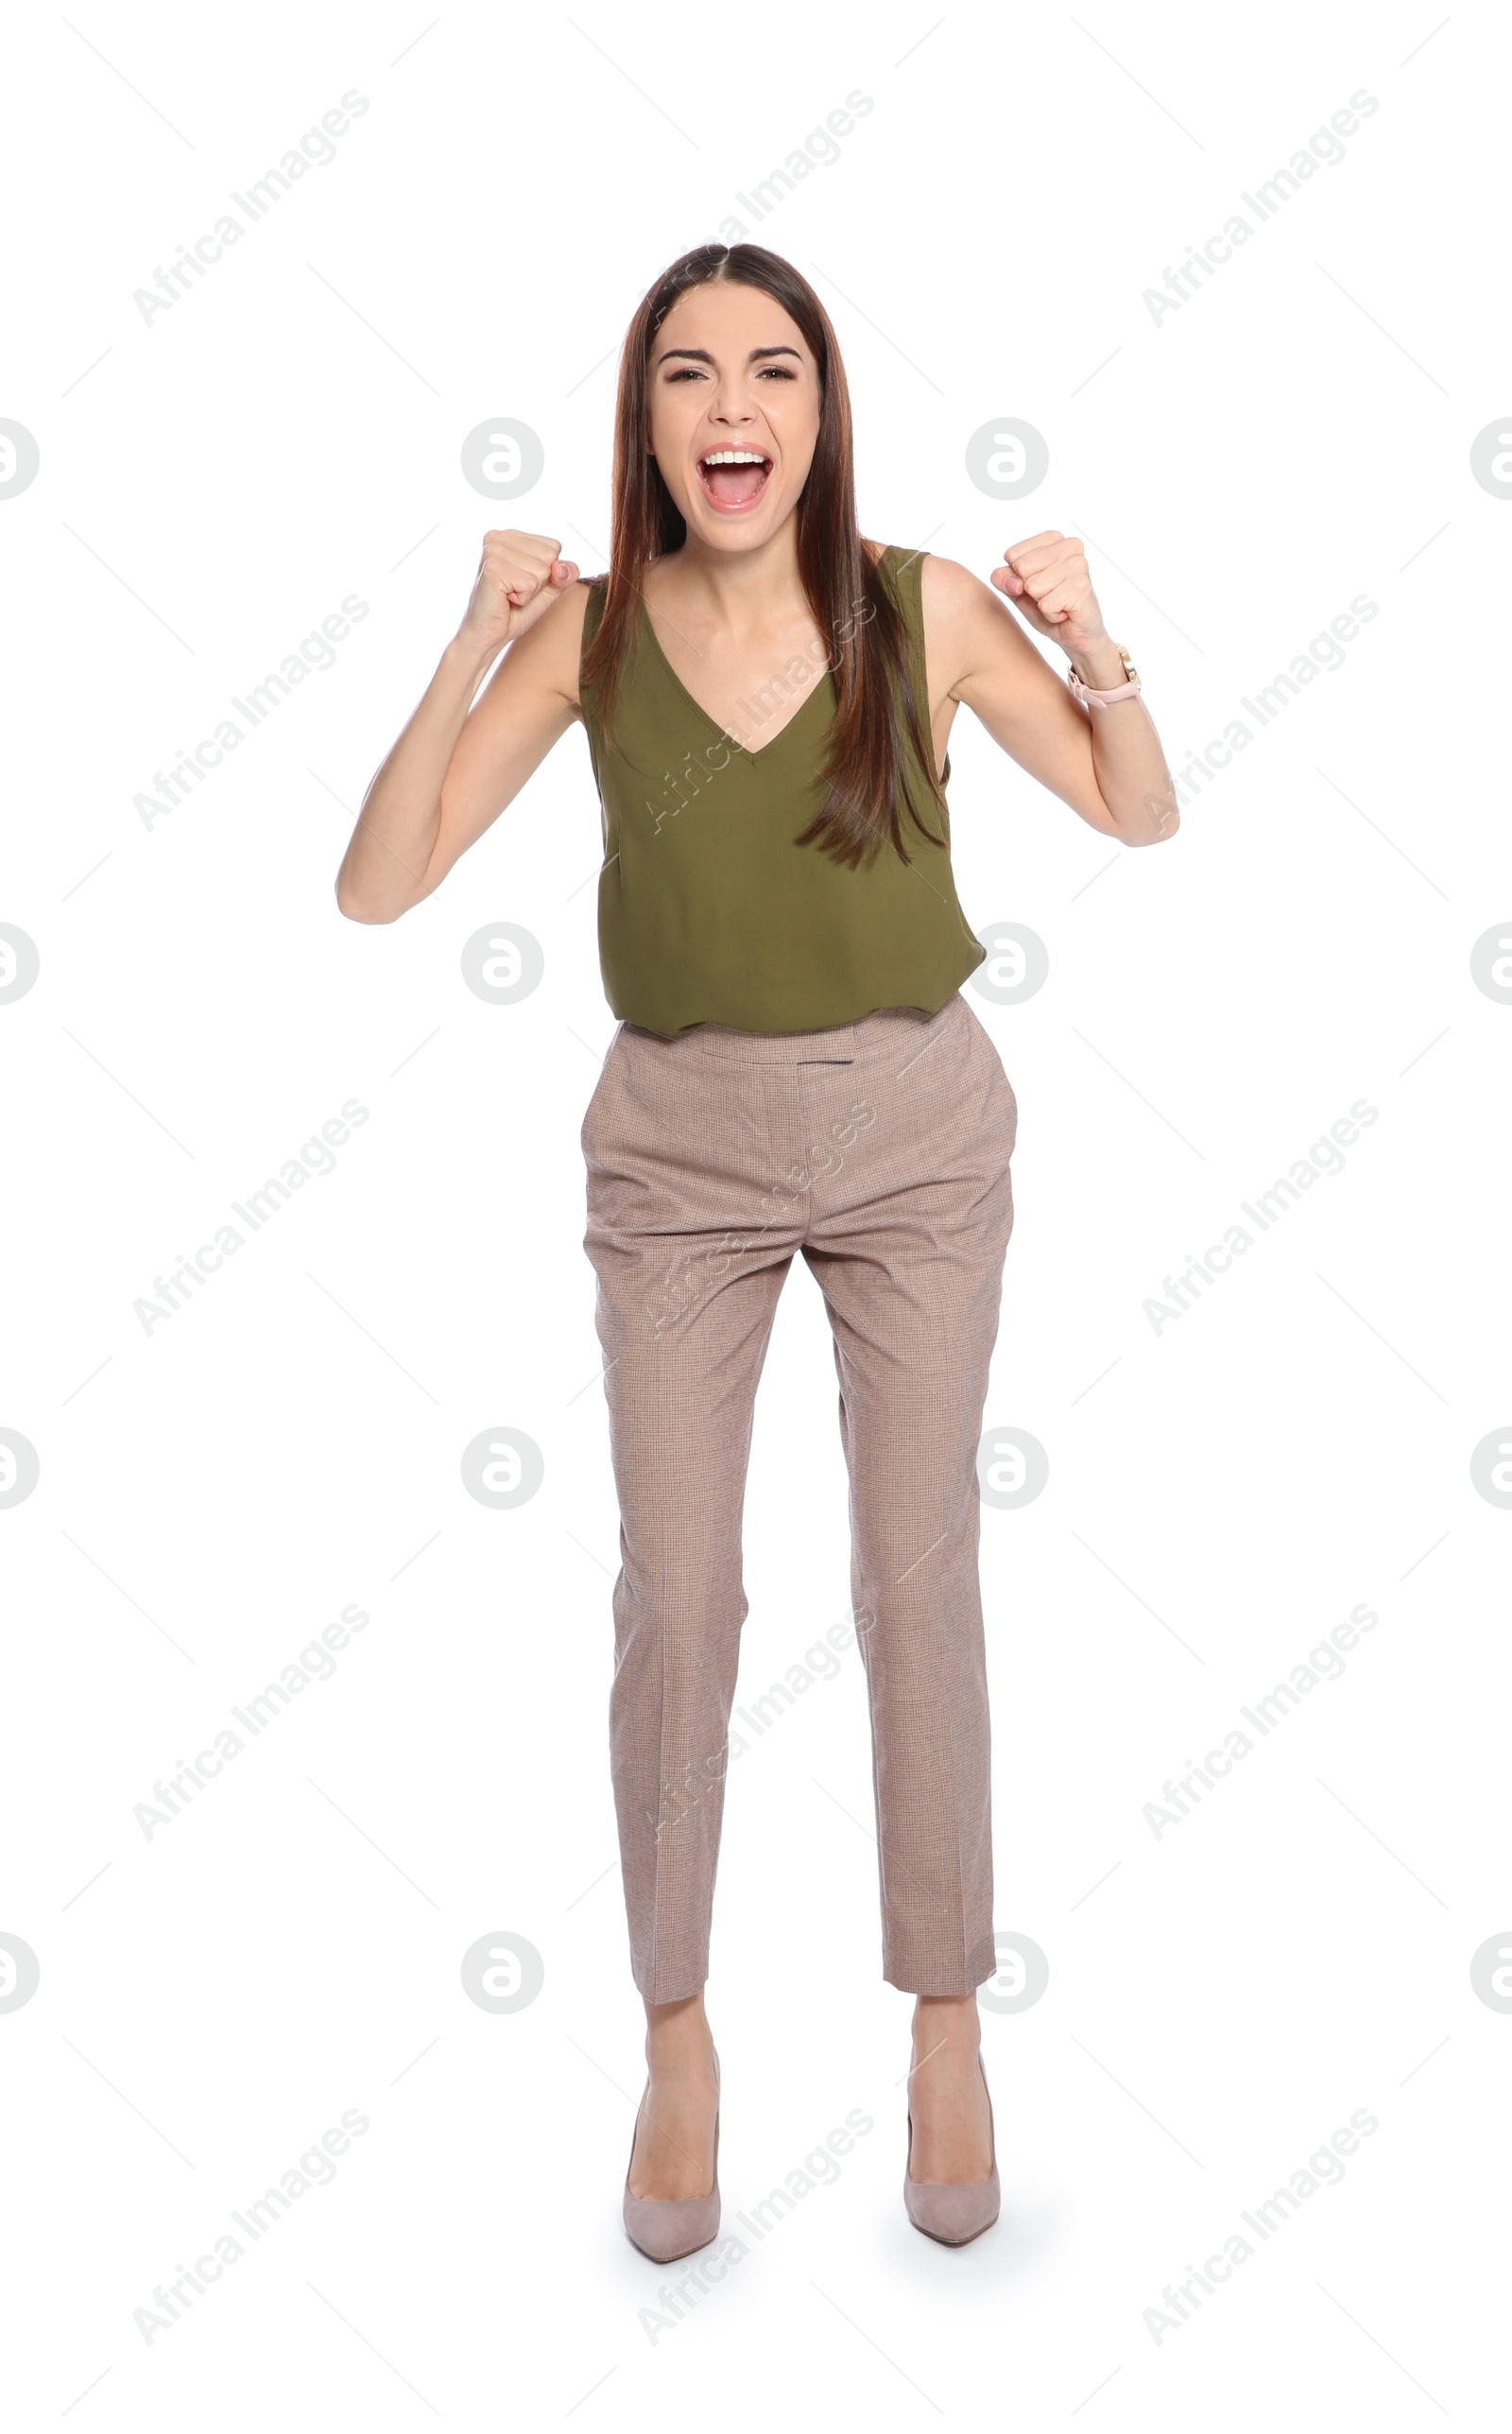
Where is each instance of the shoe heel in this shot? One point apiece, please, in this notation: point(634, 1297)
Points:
point(667, 2228)
point(954, 2212)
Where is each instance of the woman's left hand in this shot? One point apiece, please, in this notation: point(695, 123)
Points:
point(1046, 580)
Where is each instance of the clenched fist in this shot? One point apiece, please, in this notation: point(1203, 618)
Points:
point(520, 574)
point(1046, 580)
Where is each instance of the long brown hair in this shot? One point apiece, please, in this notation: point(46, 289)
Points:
point(878, 714)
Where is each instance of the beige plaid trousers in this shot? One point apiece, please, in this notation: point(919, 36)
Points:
point(881, 1151)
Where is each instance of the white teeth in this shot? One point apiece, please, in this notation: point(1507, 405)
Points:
point(732, 456)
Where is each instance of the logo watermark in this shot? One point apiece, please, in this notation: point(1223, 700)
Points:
point(803, 672)
point(1324, 1663)
point(1490, 1468)
point(820, 2168)
point(187, 770)
point(1325, 1156)
point(820, 1662)
point(502, 1972)
point(315, 149)
point(818, 150)
point(315, 1662)
point(316, 2168)
point(315, 1157)
point(19, 458)
point(1017, 966)
point(1012, 1467)
point(1490, 1971)
point(1007, 458)
point(1490, 456)
point(680, 1292)
point(19, 1468)
point(1324, 150)
point(1324, 2168)
point(19, 963)
point(1323, 655)
point(503, 1467)
point(1490, 963)
point(503, 458)
point(19, 1973)
point(503, 963)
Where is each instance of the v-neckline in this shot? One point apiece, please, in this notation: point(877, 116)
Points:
point(707, 715)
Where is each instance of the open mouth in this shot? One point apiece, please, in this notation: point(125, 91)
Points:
point(735, 478)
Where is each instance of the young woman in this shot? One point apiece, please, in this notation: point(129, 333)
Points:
point(767, 700)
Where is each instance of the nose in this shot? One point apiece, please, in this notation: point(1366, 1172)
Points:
point(731, 405)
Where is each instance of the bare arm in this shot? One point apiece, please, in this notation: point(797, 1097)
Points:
point(459, 763)
point(1107, 763)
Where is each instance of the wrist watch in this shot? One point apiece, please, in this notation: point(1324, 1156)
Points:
point(1093, 697)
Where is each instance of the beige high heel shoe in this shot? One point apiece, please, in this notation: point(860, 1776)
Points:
point(954, 2211)
point(667, 2228)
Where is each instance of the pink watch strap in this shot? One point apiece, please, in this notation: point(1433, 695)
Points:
point(1093, 698)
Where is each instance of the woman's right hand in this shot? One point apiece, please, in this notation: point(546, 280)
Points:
point(520, 574)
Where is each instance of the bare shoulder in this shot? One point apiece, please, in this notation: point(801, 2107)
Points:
point(546, 657)
point(950, 591)
point(968, 624)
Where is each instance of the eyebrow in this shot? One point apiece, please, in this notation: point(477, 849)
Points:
point(701, 354)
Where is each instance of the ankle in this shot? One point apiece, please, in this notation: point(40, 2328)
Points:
point(677, 2036)
point(946, 2023)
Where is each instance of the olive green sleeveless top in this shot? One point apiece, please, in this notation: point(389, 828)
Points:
point(709, 910)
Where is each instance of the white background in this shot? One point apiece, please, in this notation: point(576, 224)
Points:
point(1220, 1494)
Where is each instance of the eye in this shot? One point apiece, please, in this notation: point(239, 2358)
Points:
point(686, 371)
point(777, 371)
